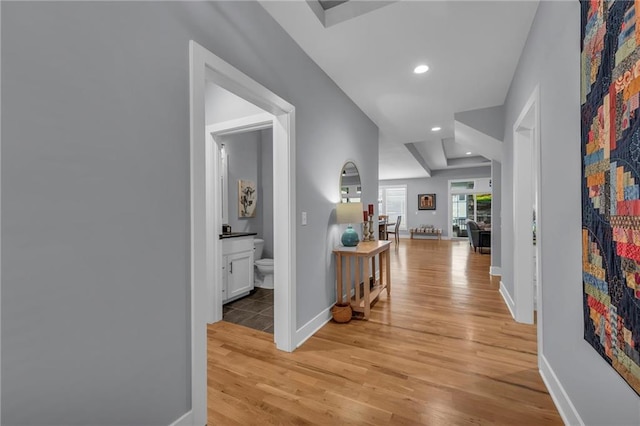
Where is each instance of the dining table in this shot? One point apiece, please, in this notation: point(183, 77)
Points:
point(382, 229)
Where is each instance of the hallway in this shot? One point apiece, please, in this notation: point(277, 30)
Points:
point(442, 349)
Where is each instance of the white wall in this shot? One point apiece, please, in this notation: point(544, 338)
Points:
point(95, 197)
point(551, 59)
point(223, 105)
point(437, 184)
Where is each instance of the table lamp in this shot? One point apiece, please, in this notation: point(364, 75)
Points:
point(349, 213)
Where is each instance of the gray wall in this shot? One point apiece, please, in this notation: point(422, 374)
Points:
point(242, 163)
point(496, 214)
point(489, 121)
point(437, 184)
point(551, 58)
point(265, 189)
point(250, 157)
point(95, 197)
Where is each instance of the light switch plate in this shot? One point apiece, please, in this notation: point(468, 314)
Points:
point(304, 218)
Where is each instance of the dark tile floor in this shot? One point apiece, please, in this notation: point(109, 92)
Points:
point(253, 311)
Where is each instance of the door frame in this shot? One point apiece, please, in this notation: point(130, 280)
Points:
point(526, 197)
point(204, 65)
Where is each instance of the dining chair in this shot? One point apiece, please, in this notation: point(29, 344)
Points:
point(396, 230)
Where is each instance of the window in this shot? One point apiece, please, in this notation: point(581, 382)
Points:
point(462, 185)
point(392, 201)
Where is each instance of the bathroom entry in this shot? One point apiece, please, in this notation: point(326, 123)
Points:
point(246, 160)
point(240, 139)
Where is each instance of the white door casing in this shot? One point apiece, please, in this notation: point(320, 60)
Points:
point(526, 198)
point(204, 65)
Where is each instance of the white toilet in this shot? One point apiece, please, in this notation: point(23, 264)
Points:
point(264, 276)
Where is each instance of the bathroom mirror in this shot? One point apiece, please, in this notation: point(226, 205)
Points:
point(350, 186)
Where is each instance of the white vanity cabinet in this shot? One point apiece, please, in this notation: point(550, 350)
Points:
point(237, 267)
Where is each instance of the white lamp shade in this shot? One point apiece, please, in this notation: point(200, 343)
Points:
point(349, 213)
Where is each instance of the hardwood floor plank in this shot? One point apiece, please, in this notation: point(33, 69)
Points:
point(442, 349)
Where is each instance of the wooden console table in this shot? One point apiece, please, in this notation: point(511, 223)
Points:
point(364, 269)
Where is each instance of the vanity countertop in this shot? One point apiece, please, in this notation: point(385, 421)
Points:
point(237, 235)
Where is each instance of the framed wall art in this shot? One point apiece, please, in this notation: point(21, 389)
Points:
point(426, 201)
point(247, 198)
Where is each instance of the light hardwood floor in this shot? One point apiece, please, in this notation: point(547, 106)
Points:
point(441, 350)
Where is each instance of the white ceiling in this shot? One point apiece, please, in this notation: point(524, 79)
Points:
point(371, 48)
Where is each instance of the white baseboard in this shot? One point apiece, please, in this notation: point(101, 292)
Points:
point(310, 328)
point(508, 300)
point(496, 271)
point(567, 410)
point(184, 420)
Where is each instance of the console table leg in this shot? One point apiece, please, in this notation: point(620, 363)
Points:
point(357, 283)
point(367, 301)
point(387, 270)
point(339, 278)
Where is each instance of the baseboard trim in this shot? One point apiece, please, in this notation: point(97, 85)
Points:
point(496, 271)
point(185, 420)
point(508, 300)
point(310, 328)
point(567, 410)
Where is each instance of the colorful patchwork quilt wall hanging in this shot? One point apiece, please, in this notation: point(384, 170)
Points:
point(610, 99)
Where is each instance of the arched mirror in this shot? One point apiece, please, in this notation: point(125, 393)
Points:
point(349, 210)
point(350, 186)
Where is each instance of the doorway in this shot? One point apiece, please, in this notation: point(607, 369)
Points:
point(526, 214)
point(241, 149)
point(469, 199)
point(204, 65)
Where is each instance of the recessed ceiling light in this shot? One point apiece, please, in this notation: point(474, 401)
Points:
point(421, 69)
point(469, 153)
point(436, 129)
